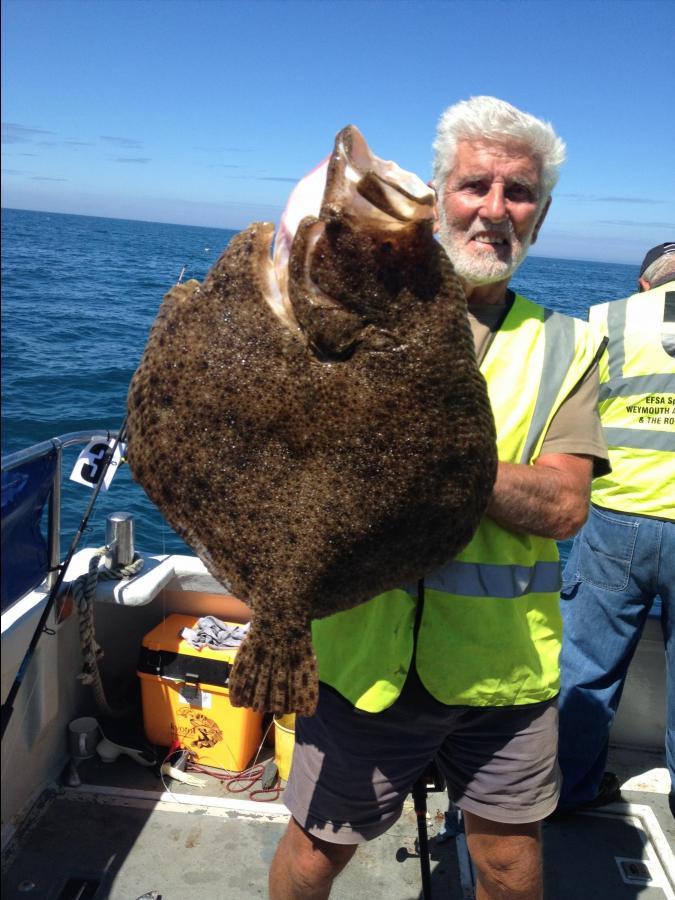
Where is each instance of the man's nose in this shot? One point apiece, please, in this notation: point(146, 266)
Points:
point(494, 207)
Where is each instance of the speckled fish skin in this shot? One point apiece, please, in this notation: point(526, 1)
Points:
point(316, 461)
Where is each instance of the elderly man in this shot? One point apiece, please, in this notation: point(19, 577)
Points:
point(464, 668)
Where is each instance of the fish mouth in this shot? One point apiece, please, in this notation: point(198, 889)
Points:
point(367, 187)
point(352, 184)
point(275, 284)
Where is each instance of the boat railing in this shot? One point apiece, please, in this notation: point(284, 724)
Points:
point(37, 451)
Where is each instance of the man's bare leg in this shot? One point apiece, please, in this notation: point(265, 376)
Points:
point(507, 859)
point(305, 867)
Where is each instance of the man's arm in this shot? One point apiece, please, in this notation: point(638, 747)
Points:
point(549, 498)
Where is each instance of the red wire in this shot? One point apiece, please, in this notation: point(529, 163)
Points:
point(247, 778)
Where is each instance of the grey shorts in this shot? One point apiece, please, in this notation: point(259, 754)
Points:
point(352, 770)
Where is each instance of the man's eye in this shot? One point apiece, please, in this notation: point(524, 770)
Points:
point(476, 187)
point(521, 193)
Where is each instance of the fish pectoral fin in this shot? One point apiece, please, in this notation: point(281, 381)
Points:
point(277, 676)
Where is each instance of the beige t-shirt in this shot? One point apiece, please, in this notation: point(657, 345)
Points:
point(576, 427)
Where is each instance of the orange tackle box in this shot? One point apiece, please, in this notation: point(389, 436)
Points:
point(185, 698)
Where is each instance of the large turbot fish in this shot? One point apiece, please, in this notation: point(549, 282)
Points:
point(318, 432)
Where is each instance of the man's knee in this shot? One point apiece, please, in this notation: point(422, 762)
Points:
point(507, 858)
point(305, 866)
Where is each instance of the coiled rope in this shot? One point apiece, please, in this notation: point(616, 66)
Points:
point(84, 591)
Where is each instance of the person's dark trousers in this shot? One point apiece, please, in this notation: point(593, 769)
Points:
point(618, 564)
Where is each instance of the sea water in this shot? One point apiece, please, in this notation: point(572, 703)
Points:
point(79, 294)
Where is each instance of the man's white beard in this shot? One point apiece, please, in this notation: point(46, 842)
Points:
point(475, 268)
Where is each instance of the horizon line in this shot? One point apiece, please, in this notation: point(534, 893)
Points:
point(48, 212)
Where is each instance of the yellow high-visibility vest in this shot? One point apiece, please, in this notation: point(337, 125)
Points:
point(489, 627)
point(637, 406)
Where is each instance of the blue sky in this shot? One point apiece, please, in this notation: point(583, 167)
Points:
point(204, 112)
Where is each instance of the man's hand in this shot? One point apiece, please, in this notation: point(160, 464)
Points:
point(549, 499)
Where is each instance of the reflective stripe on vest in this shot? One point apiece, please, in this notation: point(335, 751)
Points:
point(637, 407)
point(558, 352)
point(641, 439)
point(485, 580)
point(622, 385)
point(490, 630)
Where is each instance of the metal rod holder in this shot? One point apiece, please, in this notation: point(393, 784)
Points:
point(119, 538)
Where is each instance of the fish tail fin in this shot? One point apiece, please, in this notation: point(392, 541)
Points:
point(279, 680)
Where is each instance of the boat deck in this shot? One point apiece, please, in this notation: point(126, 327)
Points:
point(122, 835)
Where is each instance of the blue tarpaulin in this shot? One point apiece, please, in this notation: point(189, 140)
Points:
point(25, 555)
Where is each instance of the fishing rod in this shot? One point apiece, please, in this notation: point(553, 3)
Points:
point(432, 779)
point(419, 793)
point(8, 705)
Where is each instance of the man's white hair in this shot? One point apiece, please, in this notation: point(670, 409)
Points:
point(490, 119)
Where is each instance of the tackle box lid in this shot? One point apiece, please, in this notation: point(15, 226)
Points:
point(166, 654)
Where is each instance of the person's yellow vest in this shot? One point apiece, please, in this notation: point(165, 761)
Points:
point(489, 627)
point(637, 407)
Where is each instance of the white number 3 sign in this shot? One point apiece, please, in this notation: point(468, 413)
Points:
point(91, 461)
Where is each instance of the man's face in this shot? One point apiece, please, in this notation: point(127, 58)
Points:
point(490, 211)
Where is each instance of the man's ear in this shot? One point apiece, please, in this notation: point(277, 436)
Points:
point(644, 285)
point(540, 221)
point(436, 224)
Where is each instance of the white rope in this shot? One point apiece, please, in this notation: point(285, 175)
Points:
point(84, 592)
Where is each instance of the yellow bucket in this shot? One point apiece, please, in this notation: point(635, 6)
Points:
point(284, 739)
